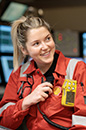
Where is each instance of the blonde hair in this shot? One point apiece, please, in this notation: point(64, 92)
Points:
point(19, 35)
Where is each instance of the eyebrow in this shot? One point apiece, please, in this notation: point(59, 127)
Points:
point(34, 41)
point(38, 39)
point(48, 35)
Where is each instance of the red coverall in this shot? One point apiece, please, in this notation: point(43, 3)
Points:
point(11, 114)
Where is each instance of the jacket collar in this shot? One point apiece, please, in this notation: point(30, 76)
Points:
point(61, 63)
point(60, 66)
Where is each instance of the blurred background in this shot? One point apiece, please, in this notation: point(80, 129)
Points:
point(66, 17)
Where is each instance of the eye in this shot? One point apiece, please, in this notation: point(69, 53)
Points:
point(48, 38)
point(36, 44)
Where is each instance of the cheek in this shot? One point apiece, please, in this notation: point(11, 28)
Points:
point(34, 52)
point(52, 44)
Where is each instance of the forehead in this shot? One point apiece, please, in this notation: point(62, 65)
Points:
point(37, 33)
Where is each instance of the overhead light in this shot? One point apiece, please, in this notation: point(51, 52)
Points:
point(14, 11)
point(40, 12)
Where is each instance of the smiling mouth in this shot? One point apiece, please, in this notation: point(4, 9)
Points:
point(45, 54)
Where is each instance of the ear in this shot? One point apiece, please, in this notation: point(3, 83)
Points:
point(23, 50)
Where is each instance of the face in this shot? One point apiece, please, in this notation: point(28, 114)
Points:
point(40, 46)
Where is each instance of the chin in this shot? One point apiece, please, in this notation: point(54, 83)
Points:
point(49, 61)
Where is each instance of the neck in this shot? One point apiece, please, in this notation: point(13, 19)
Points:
point(44, 68)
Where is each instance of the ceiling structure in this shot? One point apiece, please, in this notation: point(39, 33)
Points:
point(42, 3)
point(50, 3)
point(45, 3)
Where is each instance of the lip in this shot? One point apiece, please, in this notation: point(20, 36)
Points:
point(45, 54)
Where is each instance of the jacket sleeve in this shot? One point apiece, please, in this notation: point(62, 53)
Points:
point(79, 116)
point(11, 114)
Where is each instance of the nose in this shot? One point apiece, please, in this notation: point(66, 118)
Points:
point(44, 45)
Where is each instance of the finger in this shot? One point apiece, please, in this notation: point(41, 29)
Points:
point(45, 95)
point(47, 84)
point(47, 90)
point(42, 99)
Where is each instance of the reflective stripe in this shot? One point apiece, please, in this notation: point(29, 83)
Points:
point(5, 106)
point(70, 68)
point(3, 128)
point(23, 68)
point(78, 120)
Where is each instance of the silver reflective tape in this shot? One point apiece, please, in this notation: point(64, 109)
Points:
point(5, 106)
point(78, 120)
point(3, 128)
point(23, 68)
point(70, 68)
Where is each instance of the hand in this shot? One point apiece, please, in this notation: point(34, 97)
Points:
point(39, 94)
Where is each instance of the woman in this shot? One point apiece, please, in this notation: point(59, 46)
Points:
point(34, 90)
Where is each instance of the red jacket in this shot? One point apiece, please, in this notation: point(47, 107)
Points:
point(11, 114)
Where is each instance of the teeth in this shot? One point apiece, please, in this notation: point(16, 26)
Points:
point(46, 54)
